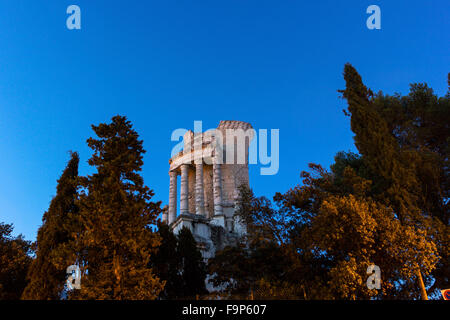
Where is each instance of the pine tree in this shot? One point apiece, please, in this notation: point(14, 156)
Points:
point(117, 218)
point(48, 271)
point(15, 260)
point(193, 268)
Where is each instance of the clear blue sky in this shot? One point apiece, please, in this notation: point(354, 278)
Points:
point(164, 64)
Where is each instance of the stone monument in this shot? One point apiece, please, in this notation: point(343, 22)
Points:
point(212, 166)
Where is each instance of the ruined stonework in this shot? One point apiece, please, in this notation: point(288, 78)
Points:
point(212, 166)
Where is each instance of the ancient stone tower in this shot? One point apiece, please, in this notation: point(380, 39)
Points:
point(212, 166)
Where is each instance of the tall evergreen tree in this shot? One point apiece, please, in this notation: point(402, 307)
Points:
point(117, 218)
point(14, 263)
point(420, 124)
point(193, 268)
point(396, 163)
point(48, 271)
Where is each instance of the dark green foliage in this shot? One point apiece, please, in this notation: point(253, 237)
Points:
point(231, 263)
point(260, 264)
point(263, 222)
point(238, 270)
point(167, 263)
point(14, 263)
point(179, 263)
point(342, 162)
point(193, 269)
point(48, 271)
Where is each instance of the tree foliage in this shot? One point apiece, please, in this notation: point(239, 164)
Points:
point(386, 206)
point(15, 260)
point(404, 143)
point(117, 241)
point(259, 265)
point(192, 266)
point(180, 265)
point(47, 273)
point(167, 263)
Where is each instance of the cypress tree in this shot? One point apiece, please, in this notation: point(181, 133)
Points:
point(395, 169)
point(193, 268)
point(419, 122)
point(48, 271)
point(396, 179)
point(167, 263)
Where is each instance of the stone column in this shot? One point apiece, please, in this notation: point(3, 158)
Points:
point(172, 196)
point(217, 186)
point(165, 215)
point(184, 192)
point(199, 193)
